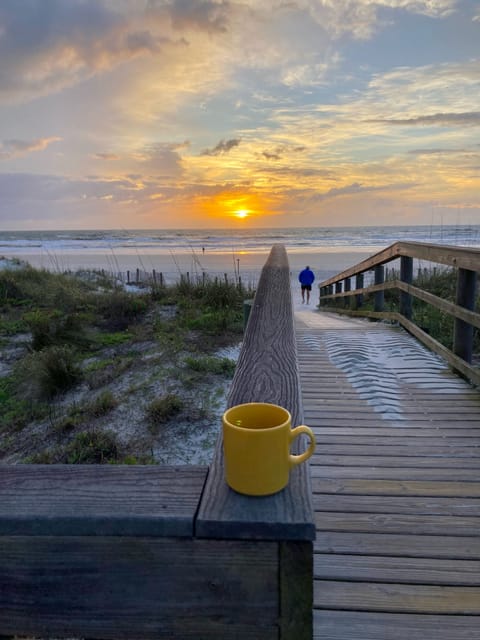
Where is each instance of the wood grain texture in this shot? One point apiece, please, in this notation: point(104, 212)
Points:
point(424, 505)
point(266, 371)
point(360, 625)
point(387, 569)
point(114, 587)
point(361, 596)
point(393, 544)
point(99, 500)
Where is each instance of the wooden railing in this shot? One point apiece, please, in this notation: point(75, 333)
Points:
point(466, 318)
point(167, 552)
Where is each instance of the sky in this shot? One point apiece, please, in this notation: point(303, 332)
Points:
point(236, 114)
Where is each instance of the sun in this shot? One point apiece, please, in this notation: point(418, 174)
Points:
point(241, 213)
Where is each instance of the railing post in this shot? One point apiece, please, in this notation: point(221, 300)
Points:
point(465, 297)
point(379, 295)
point(359, 285)
point(347, 287)
point(406, 275)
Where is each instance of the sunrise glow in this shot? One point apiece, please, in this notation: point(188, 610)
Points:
point(182, 114)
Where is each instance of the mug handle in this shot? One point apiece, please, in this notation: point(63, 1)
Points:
point(294, 459)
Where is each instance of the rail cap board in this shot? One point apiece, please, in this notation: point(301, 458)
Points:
point(267, 371)
point(97, 500)
point(453, 256)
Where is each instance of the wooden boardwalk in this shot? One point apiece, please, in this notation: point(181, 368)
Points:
point(396, 484)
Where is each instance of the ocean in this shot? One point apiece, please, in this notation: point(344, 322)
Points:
point(224, 240)
point(171, 251)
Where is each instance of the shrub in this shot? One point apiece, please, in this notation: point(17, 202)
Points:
point(119, 309)
point(45, 373)
point(49, 327)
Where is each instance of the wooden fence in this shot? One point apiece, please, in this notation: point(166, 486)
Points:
point(466, 318)
point(167, 552)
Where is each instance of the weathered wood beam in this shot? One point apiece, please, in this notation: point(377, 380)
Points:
point(267, 371)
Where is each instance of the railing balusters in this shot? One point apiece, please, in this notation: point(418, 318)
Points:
point(406, 275)
point(465, 297)
point(379, 295)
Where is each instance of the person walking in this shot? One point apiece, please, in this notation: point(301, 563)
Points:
point(306, 279)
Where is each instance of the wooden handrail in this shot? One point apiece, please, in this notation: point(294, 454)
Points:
point(267, 371)
point(460, 257)
point(467, 263)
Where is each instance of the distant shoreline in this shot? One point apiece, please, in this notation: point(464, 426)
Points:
point(324, 260)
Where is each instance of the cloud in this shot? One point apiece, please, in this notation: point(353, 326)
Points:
point(48, 46)
point(17, 148)
point(106, 156)
point(211, 17)
point(357, 188)
point(278, 152)
point(429, 152)
point(224, 146)
point(160, 158)
point(24, 187)
point(468, 119)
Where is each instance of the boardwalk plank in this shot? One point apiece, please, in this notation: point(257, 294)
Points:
point(365, 596)
point(361, 486)
point(424, 546)
point(396, 486)
point(397, 523)
point(443, 462)
point(394, 473)
point(342, 625)
point(397, 504)
point(397, 449)
point(386, 569)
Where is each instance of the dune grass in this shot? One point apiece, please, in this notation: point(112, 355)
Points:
point(70, 334)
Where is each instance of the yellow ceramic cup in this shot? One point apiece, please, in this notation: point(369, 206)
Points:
point(256, 444)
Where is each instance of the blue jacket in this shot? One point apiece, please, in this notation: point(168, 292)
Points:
point(306, 276)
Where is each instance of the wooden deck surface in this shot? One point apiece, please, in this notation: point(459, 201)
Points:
point(396, 484)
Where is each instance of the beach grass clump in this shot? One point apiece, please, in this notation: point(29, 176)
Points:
point(113, 338)
point(43, 374)
point(81, 414)
point(38, 287)
point(105, 370)
point(117, 309)
point(101, 405)
point(92, 447)
point(16, 411)
point(211, 364)
point(162, 409)
point(53, 327)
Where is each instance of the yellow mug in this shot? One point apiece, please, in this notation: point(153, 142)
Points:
point(256, 444)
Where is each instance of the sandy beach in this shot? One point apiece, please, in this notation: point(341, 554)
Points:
point(325, 262)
